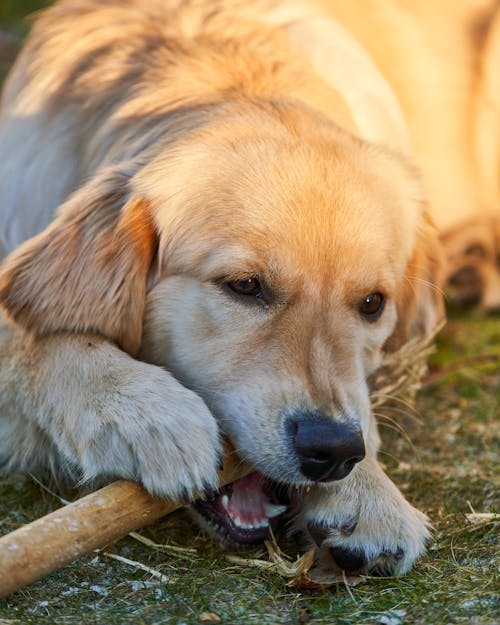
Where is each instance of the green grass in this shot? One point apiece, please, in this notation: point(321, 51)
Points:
point(444, 458)
point(450, 465)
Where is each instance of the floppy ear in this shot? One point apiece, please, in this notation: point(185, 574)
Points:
point(87, 271)
point(419, 299)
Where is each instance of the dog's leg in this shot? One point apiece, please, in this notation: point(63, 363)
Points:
point(81, 406)
point(363, 522)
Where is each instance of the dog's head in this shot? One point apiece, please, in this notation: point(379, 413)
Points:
point(266, 261)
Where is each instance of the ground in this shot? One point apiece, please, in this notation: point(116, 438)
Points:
point(443, 455)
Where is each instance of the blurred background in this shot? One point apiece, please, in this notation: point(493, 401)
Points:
point(13, 26)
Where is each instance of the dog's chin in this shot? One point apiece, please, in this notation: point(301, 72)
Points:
point(243, 512)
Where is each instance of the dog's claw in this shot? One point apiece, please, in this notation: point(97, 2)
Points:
point(395, 555)
point(209, 492)
point(346, 529)
point(318, 532)
point(185, 497)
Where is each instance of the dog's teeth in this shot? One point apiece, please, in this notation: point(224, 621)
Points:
point(225, 501)
point(249, 526)
point(273, 510)
point(239, 523)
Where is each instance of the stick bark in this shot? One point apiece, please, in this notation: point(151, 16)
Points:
point(92, 522)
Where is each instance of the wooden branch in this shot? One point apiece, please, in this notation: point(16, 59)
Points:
point(37, 549)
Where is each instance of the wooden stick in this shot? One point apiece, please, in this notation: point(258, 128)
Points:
point(37, 549)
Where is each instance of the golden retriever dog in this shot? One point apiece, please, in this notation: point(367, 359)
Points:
point(214, 226)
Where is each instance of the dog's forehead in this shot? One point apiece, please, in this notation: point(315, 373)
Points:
point(304, 209)
point(309, 246)
point(318, 222)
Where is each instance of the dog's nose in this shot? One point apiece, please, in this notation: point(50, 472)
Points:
point(326, 450)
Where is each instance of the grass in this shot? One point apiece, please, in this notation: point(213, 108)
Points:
point(447, 469)
point(444, 456)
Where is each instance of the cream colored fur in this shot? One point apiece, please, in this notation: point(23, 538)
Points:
point(157, 150)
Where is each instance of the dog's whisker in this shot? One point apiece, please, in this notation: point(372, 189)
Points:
point(427, 283)
point(406, 412)
point(393, 398)
point(401, 431)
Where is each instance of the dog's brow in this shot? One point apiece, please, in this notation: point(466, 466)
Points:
point(231, 261)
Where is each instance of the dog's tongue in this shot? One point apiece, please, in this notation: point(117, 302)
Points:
point(248, 500)
point(243, 511)
point(248, 505)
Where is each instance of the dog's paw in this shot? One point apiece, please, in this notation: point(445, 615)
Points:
point(472, 269)
point(364, 528)
point(136, 421)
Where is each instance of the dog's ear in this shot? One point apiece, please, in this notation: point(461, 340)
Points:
point(419, 299)
point(87, 271)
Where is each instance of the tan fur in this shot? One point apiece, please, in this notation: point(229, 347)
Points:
point(187, 144)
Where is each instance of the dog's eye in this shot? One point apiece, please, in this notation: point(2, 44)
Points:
point(245, 286)
point(249, 288)
point(372, 306)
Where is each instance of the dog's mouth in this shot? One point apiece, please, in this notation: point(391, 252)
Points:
point(243, 512)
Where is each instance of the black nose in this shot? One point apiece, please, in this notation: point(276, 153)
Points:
point(326, 450)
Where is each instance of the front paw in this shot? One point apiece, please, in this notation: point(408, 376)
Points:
point(364, 526)
point(138, 422)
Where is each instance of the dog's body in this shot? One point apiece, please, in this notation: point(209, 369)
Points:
point(240, 235)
